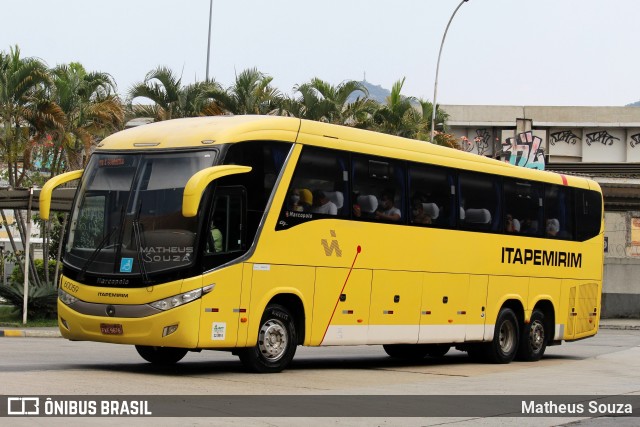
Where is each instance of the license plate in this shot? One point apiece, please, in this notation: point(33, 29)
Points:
point(111, 328)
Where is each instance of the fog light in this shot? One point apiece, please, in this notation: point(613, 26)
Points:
point(168, 330)
point(64, 323)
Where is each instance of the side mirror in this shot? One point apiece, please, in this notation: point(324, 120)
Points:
point(49, 186)
point(199, 181)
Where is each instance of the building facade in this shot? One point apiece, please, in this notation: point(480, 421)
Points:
point(602, 143)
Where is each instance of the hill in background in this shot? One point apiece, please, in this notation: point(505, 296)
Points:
point(376, 92)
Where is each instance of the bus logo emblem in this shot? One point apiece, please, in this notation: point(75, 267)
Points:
point(330, 248)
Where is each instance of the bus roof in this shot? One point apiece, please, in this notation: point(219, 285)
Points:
point(213, 130)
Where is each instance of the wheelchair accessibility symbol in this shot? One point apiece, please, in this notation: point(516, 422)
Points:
point(126, 265)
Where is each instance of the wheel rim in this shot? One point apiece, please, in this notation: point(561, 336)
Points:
point(507, 337)
point(273, 340)
point(536, 336)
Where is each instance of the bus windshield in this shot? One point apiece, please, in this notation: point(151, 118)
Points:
point(127, 219)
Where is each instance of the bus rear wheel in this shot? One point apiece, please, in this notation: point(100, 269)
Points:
point(534, 338)
point(277, 342)
point(161, 355)
point(406, 351)
point(504, 346)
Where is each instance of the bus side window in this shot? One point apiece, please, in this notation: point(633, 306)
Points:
point(225, 233)
point(522, 207)
point(383, 179)
point(559, 211)
point(588, 214)
point(431, 201)
point(479, 201)
point(318, 189)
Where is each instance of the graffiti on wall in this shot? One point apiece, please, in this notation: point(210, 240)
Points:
point(564, 136)
point(603, 137)
point(524, 150)
point(479, 144)
point(635, 140)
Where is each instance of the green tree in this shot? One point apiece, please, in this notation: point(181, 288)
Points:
point(27, 114)
point(398, 116)
point(318, 100)
point(424, 130)
point(162, 87)
point(172, 100)
point(26, 111)
point(251, 93)
point(92, 111)
point(410, 117)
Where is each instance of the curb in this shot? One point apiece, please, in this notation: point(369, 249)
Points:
point(30, 333)
point(621, 327)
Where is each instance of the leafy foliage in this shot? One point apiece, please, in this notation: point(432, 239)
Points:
point(41, 301)
point(16, 276)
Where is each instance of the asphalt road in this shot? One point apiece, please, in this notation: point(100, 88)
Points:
point(608, 364)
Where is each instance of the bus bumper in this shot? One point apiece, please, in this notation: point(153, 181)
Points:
point(177, 327)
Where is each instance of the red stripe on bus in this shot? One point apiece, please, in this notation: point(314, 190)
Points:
point(358, 249)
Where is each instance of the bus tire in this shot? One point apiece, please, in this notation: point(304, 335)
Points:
point(504, 346)
point(437, 351)
point(406, 351)
point(277, 342)
point(533, 340)
point(161, 355)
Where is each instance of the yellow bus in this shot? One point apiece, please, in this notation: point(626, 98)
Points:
point(256, 234)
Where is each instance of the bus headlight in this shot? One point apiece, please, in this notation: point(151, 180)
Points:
point(176, 300)
point(66, 298)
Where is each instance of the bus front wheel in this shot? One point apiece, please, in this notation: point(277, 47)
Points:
point(161, 355)
point(504, 346)
point(276, 345)
point(534, 338)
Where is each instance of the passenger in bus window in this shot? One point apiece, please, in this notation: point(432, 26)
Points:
point(356, 208)
point(300, 200)
point(418, 215)
point(322, 205)
point(553, 227)
point(512, 224)
point(215, 242)
point(386, 210)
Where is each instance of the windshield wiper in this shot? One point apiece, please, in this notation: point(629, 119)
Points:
point(95, 252)
point(141, 261)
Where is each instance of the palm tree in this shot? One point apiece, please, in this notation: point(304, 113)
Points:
point(25, 110)
point(92, 110)
point(251, 93)
point(27, 113)
point(398, 116)
point(423, 133)
point(410, 117)
point(324, 102)
point(171, 100)
point(162, 87)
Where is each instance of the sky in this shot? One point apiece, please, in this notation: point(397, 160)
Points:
point(497, 52)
